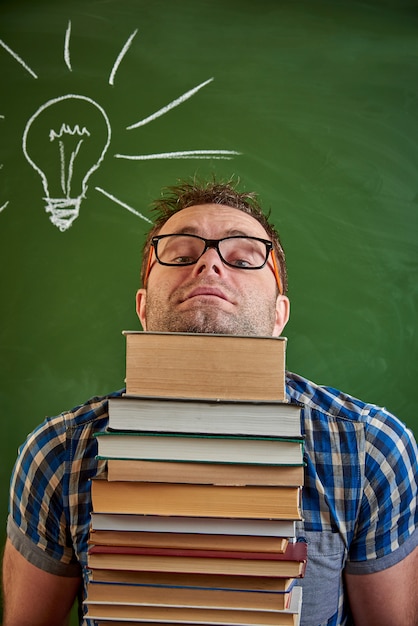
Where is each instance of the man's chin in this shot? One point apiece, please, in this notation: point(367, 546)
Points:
point(208, 320)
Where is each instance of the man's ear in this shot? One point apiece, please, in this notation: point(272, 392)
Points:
point(282, 314)
point(141, 298)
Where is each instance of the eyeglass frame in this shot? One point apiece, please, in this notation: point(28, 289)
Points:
point(213, 243)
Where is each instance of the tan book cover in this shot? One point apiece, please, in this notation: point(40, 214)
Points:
point(205, 473)
point(194, 615)
point(196, 500)
point(270, 584)
point(188, 540)
point(189, 365)
point(198, 565)
point(184, 596)
point(186, 615)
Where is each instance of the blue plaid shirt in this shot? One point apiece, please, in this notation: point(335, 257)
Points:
point(359, 498)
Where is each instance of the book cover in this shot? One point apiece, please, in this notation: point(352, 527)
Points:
point(160, 595)
point(177, 365)
point(196, 500)
point(187, 415)
point(236, 617)
point(205, 473)
point(295, 551)
point(190, 525)
point(197, 565)
point(200, 448)
point(188, 540)
point(266, 584)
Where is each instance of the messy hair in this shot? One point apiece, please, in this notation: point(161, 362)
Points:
point(186, 194)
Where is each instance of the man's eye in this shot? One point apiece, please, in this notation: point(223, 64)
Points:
point(182, 260)
point(240, 263)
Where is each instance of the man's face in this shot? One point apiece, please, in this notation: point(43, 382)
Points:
point(210, 297)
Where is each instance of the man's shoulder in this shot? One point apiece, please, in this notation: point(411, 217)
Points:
point(326, 400)
point(327, 405)
point(88, 413)
point(77, 423)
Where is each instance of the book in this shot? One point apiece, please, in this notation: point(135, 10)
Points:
point(187, 540)
point(196, 500)
point(294, 551)
point(204, 473)
point(162, 615)
point(199, 448)
point(186, 415)
point(177, 595)
point(190, 525)
point(178, 364)
point(268, 584)
point(291, 564)
point(191, 615)
point(201, 561)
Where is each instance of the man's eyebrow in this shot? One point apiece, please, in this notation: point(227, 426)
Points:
point(186, 230)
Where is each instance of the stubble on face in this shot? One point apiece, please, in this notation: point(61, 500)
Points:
point(250, 316)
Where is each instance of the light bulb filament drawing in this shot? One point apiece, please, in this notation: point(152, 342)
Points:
point(67, 172)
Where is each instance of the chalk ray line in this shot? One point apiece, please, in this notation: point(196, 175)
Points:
point(18, 58)
point(170, 106)
point(122, 204)
point(120, 57)
point(4, 206)
point(182, 154)
point(67, 58)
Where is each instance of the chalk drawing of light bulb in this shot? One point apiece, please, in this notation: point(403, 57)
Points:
point(65, 141)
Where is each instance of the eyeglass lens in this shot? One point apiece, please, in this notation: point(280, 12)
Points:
point(240, 252)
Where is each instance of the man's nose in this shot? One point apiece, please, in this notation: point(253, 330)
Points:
point(210, 261)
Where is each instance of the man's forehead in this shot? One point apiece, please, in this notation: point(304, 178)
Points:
point(228, 220)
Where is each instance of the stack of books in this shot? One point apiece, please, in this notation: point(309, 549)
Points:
point(194, 520)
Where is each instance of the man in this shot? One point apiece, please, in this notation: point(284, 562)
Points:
point(213, 264)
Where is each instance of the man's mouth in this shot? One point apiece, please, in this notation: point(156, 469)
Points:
point(212, 292)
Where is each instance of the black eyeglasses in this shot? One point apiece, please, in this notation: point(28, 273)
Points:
point(239, 251)
point(245, 253)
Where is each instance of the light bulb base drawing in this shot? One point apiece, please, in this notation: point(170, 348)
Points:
point(63, 211)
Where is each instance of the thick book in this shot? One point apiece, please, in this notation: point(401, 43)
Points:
point(196, 500)
point(204, 473)
point(153, 446)
point(193, 365)
point(188, 540)
point(266, 584)
point(291, 564)
point(190, 525)
point(198, 615)
point(186, 415)
point(177, 595)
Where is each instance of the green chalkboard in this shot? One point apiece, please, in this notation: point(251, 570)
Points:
point(313, 104)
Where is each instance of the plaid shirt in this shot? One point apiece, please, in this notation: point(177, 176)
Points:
point(359, 499)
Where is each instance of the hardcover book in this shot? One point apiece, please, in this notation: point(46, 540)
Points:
point(153, 446)
point(190, 525)
point(196, 500)
point(177, 365)
point(187, 415)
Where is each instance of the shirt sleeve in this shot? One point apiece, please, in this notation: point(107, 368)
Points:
point(386, 530)
point(38, 525)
